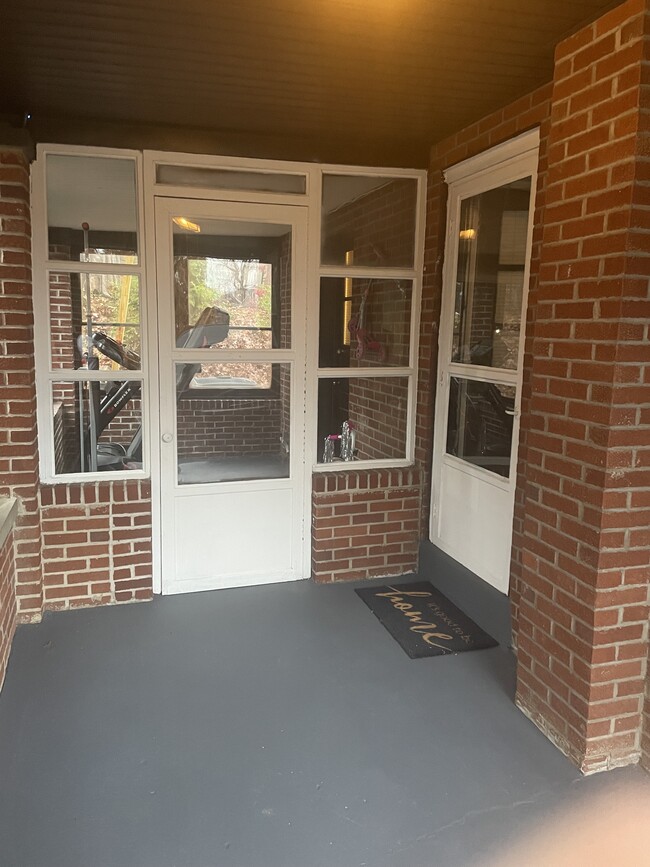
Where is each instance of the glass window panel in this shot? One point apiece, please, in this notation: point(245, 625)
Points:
point(479, 423)
point(368, 221)
point(230, 179)
point(490, 276)
point(94, 321)
point(91, 208)
point(374, 409)
point(364, 323)
point(97, 426)
point(231, 433)
point(232, 284)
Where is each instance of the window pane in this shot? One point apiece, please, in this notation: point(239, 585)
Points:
point(225, 435)
point(375, 412)
point(95, 321)
point(91, 208)
point(97, 426)
point(479, 425)
point(232, 284)
point(230, 179)
point(490, 276)
point(364, 323)
point(368, 221)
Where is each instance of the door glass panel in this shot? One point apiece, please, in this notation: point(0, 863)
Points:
point(374, 410)
point(479, 423)
point(91, 209)
point(232, 284)
point(94, 321)
point(97, 426)
point(364, 322)
point(233, 422)
point(490, 276)
point(368, 221)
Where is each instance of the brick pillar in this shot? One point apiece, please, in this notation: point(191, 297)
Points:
point(18, 446)
point(583, 617)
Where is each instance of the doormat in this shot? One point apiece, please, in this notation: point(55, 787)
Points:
point(423, 621)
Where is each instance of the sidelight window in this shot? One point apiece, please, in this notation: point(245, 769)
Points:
point(368, 305)
point(90, 349)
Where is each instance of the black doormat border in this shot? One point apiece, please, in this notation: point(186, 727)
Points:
point(423, 621)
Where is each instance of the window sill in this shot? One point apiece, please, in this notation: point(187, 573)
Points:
point(8, 515)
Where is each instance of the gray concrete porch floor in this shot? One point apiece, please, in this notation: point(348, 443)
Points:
point(275, 726)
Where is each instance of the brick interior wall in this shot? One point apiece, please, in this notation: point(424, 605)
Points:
point(18, 444)
point(7, 602)
point(229, 427)
point(364, 524)
point(96, 543)
point(378, 412)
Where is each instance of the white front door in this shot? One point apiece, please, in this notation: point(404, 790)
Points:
point(231, 299)
point(480, 359)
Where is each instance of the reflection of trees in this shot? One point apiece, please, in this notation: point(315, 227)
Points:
point(243, 289)
point(108, 303)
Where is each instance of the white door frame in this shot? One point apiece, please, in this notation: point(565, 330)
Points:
point(300, 480)
point(501, 165)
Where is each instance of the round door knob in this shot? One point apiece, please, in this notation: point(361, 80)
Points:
point(167, 438)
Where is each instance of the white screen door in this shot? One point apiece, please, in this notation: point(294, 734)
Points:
point(480, 365)
point(231, 301)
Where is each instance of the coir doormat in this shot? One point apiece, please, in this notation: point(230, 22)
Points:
point(423, 621)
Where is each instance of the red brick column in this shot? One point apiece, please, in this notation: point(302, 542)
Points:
point(583, 618)
point(18, 446)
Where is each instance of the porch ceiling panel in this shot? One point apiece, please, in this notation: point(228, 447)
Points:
point(392, 71)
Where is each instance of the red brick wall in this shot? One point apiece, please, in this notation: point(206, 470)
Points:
point(364, 524)
point(96, 543)
point(583, 619)
point(18, 446)
point(7, 602)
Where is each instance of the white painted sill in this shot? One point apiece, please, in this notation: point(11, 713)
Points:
point(8, 513)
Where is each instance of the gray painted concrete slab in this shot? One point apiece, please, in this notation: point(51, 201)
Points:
point(276, 726)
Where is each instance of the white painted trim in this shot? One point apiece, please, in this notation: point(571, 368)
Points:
point(489, 160)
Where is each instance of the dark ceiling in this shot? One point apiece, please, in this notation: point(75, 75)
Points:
point(327, 79)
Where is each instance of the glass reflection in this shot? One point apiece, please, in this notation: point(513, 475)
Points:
point(374, 410)
point(233, 422)
point(490, 276)
point(242, 270)
point(94, 321)
point(368, 221)
point(479, 423)
point(97, 426)
point(364, 323)
point(91, 209)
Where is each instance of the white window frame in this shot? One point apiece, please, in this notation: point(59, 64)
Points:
point(147, 188)
point(42, 265)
